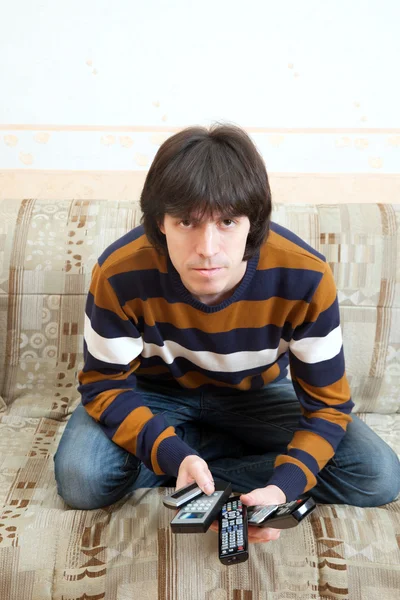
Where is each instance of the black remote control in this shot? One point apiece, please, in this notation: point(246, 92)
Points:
point(281, 516)
point(232, 532)
point(197, 515)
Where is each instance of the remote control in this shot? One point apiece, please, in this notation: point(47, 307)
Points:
point(232, 532)
point(182, 496)
point(198, 514)
point(281, 516)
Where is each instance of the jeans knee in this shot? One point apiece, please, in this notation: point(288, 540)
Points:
point(382, 483)
point(68, 485)
point(84, 488)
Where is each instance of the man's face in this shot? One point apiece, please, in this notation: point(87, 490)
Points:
point(208, 254)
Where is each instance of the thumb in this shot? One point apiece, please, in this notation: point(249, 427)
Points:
point(254, 498)
point(248, 500)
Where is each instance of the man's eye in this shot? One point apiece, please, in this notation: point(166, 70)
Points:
point(185, 221)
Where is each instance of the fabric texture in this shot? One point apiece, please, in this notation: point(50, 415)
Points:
point(141, 321)
point(47, 252)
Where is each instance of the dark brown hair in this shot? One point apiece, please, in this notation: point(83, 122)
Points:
point(204, 171)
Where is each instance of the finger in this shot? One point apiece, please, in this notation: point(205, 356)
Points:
point(183, 480)
point(214, 526)
point(263, 534)
point(204, 479)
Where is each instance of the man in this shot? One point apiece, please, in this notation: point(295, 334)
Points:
point(192, 320)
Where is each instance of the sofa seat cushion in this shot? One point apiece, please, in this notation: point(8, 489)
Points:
point(127, 550)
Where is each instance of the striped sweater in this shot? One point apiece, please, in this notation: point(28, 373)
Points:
point(141, 321)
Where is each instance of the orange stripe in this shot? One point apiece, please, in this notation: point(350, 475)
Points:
point(184, 316)
point(335, 393)
point(292, 257)
point(86, 377)
point(325, 294)
point(270, 374)
point(127, 433)
point(313, 444)
point(331, 415)
point(135, 256)
point(194, 379)
point(284, 458)
point(96, 407)
point(103, 293)
point(169, 432)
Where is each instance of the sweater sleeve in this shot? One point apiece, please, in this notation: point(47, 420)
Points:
point(319, 379)
point(107, 383)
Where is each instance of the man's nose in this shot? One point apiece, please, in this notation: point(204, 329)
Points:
point(207, 243)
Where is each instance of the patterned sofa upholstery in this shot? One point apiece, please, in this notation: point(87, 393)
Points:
point(48, 551)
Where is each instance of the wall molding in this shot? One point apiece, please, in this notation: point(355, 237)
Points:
point(304, 188)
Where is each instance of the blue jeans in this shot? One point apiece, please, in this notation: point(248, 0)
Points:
point(239, 434)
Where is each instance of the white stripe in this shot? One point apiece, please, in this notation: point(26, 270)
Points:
point(316, 349)
point(121, 350)
point(211, 361)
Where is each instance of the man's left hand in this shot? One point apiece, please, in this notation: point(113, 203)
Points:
point(271, 494)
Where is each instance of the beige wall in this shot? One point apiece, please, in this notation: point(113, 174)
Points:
point(91, 90)
point(121, 185)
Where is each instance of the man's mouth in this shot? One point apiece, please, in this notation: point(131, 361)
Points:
point(208, 272)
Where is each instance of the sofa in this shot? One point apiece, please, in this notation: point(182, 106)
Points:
point(127, 550)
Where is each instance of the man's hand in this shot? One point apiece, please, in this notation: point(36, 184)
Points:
point(261, 497)
point(194, 468)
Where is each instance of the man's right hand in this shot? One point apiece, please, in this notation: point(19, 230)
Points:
point(193, 468)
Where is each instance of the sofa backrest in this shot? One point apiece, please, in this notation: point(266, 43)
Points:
point(48, 250)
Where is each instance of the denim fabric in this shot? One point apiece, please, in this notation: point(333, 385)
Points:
point(238, 433)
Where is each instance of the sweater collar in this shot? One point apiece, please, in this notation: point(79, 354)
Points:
point(181, 291)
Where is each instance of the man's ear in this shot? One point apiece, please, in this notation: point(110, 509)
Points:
point(161, 227)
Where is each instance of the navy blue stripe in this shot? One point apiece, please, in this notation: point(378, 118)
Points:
point(120, 408)
point(291, 284)
point(327, 320)
point(319, 374)
point(89, 391)
point(283, 282)
point(107, 324)
point(181, 366)
point(129, 237)
point(289, 235)
point(311, 404)
point(171, 453)
point(331, 432)
point(235, 340)
point(148, 436)
point(305, 458)
point(290, 478)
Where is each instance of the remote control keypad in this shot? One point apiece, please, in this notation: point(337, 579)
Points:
point(232, 528)
point(201, 504)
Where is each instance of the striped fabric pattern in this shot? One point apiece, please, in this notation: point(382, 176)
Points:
point(141, 321)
